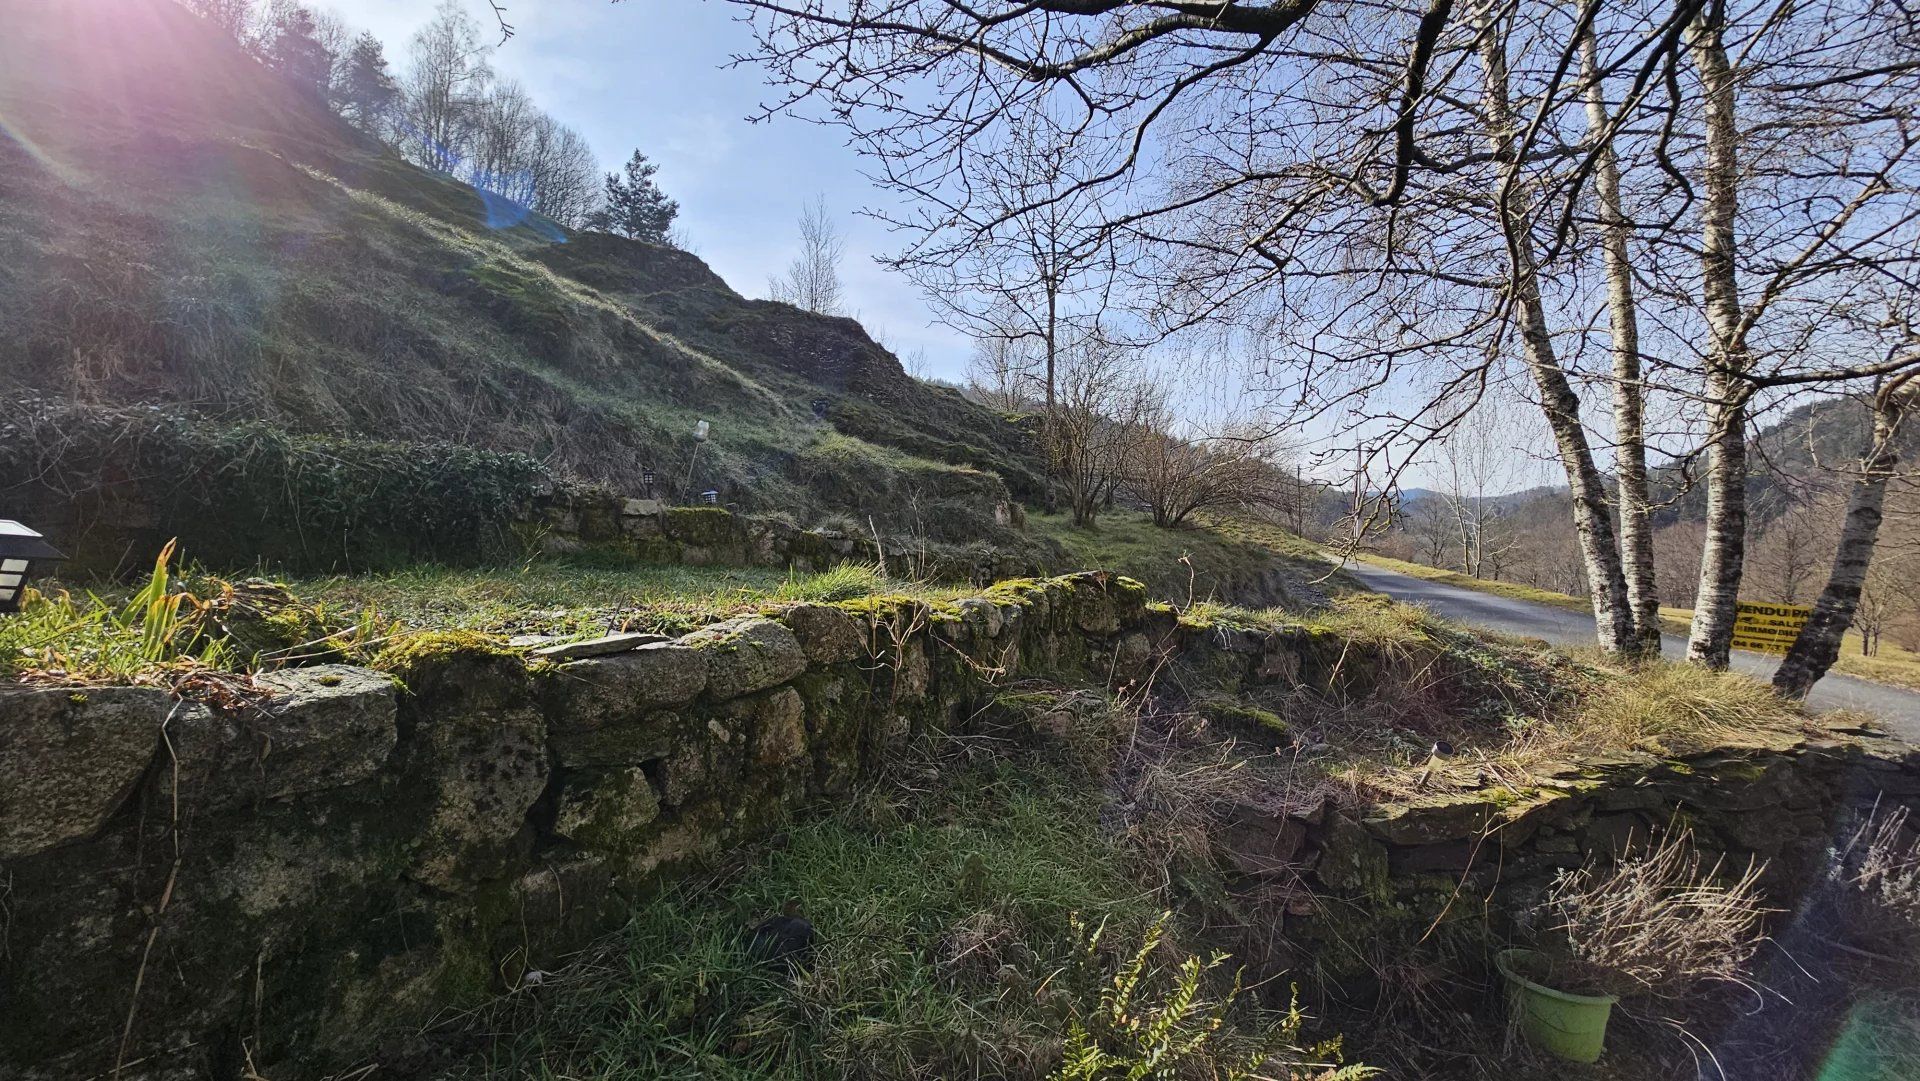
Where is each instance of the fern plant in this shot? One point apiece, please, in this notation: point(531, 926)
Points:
point(1151, 1023)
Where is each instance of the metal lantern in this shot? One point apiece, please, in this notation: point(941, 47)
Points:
point(701, 431)
point(23, 554)
point(646, 482)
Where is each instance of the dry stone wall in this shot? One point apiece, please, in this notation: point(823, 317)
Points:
point(570, 519)
point(190, 892)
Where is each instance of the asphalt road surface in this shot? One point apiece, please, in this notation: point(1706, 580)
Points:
point(1899, 708)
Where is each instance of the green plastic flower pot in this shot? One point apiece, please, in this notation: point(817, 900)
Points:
point(1570, 1026)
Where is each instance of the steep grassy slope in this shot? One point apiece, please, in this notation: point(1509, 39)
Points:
point(177, 226)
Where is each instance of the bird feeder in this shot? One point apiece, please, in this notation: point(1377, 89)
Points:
point(24, 554)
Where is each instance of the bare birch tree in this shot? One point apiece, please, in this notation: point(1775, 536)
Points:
point(812, 280)
point(1818, 644)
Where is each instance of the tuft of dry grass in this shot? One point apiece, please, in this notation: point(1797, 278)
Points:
point(1671, 705)
point(1658, 923)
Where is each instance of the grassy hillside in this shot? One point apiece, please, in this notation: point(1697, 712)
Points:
point(178, 227)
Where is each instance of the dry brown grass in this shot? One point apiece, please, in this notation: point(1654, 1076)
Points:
point(1658, 923)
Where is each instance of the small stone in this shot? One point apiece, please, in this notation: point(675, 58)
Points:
point(599, 647)
point(640, 508)
point(606, 811)
point(528, 641)
point(780, 731)
point(599, 690)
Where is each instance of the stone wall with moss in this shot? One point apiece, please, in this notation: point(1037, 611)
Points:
point(1354, 890)
point(570, 519)
point(282, 886)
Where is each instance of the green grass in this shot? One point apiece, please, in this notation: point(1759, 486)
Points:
point(957, 939)
point(1247, 563)
point(1892, 664)
point(148, 633)
point(581, 596)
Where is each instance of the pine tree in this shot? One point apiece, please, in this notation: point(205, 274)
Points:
point(366, 93)
point(291, 46)
point(635, 207)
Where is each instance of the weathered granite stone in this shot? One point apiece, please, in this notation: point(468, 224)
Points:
point(622, 689)
point(1461, 816)
point(983, 615)
point(1132, 657)
point(332, 725)
point(1260, 841)
point(746, 655)
point(328, 726)
point(826, 634)
point(779, 729)
point(639, 508)
point(479, 744)
point(69, 758)
point(1351, 860)
point(606, 812)
point(599, 647)
point(627, 741)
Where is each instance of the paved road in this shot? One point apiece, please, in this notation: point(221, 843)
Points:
point(1900, 708)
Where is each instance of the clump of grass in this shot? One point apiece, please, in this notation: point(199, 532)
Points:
point(60, 639)
point(1667, 706)
point(1658, 924)
point(845, 582)
point(1876, 872)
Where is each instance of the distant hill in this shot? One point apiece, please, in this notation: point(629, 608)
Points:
point(178, 226)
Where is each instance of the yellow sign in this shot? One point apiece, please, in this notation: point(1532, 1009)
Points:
point(1768, 628)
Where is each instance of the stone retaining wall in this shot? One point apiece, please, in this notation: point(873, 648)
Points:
point(1355, 888)
point(287, 884)
point(291, 881)
point(569, 520)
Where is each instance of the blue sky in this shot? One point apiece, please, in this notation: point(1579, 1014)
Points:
point(652, 74)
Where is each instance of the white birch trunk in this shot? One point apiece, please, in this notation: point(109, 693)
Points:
point(1722, 561)
point(1592, 516)
point(1630, 453)
point(1818, 644)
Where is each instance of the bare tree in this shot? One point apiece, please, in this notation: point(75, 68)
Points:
point(1096, 422)
point(812, 280)
point(1000, 373)
point(447, 74)
point(1846, 595)
point(1176, 475)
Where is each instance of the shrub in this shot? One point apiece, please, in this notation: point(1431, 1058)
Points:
point(235, 495)
point(1658, 924)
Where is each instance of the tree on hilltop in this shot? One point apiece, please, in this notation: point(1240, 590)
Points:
point(635, 206)
point(365, 92)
